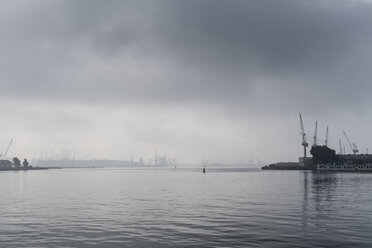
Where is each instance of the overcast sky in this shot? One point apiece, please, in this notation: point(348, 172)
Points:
point(221, 81)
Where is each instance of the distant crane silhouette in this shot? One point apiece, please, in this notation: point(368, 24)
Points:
point(7, 149)
point(303, 134)
point(315, 142)
point(353, 147)
point(326, 139)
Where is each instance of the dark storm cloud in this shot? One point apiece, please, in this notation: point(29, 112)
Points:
point(229, 53)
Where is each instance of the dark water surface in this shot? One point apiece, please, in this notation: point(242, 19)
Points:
point(184, 208)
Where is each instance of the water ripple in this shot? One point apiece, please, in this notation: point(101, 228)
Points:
point(184, 208)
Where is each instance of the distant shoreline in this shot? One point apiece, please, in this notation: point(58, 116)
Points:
point(24, 169)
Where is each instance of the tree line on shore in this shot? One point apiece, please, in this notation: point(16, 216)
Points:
point(17, 163)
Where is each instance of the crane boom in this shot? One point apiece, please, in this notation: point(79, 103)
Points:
point(302, 125)
point(353, 147)
point(303, 134)
point(7, 149)
point(348, 141)
point(315, 143)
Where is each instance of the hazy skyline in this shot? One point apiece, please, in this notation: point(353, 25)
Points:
point(221, 81)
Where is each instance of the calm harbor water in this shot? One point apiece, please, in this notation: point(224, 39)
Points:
point(163, 207)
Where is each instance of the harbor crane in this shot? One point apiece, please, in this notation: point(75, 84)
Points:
point(353, 147)
point(7, 149)
point(315, 143)
point(326, 139)
point(339, 141)
point(303, 134)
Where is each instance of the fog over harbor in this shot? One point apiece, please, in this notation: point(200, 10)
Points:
point(221, 81)
point(195, 123)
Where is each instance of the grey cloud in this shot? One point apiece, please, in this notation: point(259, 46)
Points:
point(235, 54)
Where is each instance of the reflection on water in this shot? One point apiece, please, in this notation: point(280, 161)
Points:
point(184, 208)
point(336, 208)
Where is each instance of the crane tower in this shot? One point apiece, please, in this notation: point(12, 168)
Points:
point(353, 147)
point(326, 139)
point(315, 142)
point(303, 134)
